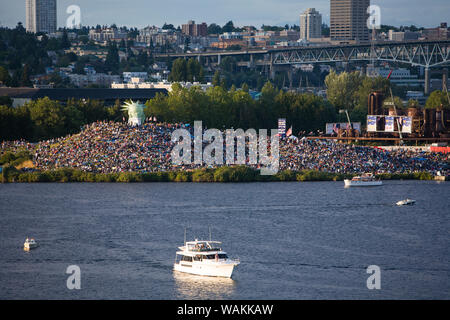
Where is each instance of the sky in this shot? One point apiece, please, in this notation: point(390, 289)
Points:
point(141, 13)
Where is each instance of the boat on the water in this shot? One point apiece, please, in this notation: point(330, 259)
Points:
point(30, 244)
point(204, 258)
point(406, 202)
point(366, 180)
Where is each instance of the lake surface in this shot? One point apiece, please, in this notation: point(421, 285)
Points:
point(310, 240)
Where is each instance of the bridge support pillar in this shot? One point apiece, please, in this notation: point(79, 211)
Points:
point(427, 81)
point(445, 79)
point(290, 76)
point(218, 59)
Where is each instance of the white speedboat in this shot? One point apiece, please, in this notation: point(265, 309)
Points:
point(204, 258)
point(30, 244)
point(406, 202)
point(366, 180)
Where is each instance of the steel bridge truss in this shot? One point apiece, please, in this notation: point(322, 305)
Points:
point(425, 54)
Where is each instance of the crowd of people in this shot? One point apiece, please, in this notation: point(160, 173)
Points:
point(329, 156)
point(108, 147)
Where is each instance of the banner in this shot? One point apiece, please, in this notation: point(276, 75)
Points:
point(406, 123)
point(333, 128)
point(282, 127)
point(389, 126)
point(371, 123)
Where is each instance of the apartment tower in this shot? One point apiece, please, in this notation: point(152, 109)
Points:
point(41, 16)
point(310, 24)
point(348, 20)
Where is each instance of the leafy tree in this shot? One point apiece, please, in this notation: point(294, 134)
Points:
point(112, 61)
point(438, 100)
point(214, 29)
point(228, 27)
point(25, 79)
point(65, 42)
point(48, 118)
point(5, 78)
point(342, 88)
point(179, 70)
point(216, 79)
point(413, 103)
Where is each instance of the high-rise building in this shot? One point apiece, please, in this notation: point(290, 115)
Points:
point(310, 24)
point(41, 16)
point(195, 30)
point(348, 20)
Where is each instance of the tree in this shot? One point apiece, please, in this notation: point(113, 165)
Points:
point(168, 27)
point(179, 71)
point(438, 100)
point(65, 42)
point(214, 29)
point(228, 27)
point(342, 88)
point(47, 117)
point(25, 79)
point(413, 103)
point(5, 78)
point(216, 79)
point(112, 61)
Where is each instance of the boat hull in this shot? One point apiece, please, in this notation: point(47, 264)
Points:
point(350, 183)
point(28, 247)
point(224, 270)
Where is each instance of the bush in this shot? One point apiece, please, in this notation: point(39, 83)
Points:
point(202, 175)
point(182, 176)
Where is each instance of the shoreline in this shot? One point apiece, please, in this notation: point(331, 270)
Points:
point(217, 175)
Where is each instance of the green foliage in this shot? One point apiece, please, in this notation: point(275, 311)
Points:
point(438, 100)
point(183, 71)
point(45, 118)
point(218, 108)
point(350, 91)
point(223, 174)
point(112, 61)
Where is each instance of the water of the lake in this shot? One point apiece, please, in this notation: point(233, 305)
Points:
point(310, 240)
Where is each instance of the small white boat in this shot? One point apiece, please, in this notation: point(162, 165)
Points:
point(406, 202)
point(366, 180)
point(204, 258)
point(30, 244)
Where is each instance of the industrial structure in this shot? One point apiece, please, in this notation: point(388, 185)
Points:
point(413, 122)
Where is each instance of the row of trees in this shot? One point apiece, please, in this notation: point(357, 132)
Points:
point(220, 108)
point(45, 118)
point(186, 70)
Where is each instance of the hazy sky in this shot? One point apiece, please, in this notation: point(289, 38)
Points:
point(140, 13)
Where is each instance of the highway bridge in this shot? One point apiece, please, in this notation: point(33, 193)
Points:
point(427, 54)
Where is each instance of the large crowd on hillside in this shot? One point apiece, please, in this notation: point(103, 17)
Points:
point(106, 147)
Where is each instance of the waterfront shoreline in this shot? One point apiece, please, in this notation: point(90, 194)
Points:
point(217, 175)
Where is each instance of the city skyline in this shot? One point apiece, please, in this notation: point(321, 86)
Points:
point(252, 12)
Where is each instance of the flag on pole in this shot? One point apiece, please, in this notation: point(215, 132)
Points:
point(289, 132)
point(390, 73)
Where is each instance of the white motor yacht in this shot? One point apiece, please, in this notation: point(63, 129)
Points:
point(29, 244)
point(366, 180)
point(406, 202)
point(205, 258)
